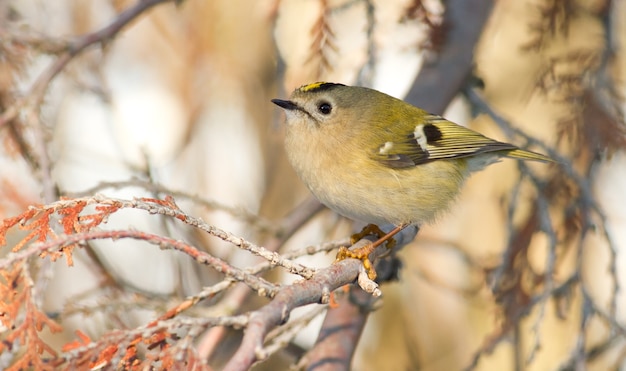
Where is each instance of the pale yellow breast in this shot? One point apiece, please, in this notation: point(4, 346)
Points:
point(358, 187)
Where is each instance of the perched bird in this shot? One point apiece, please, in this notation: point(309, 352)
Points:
point(375, 158)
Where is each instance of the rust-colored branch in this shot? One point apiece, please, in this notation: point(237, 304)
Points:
point(340, 333)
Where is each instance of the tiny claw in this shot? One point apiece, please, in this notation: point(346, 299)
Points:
point(371, 272)
point(342, 254)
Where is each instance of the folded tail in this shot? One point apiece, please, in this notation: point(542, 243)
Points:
point(527, 155)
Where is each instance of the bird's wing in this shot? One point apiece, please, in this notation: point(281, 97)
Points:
point(433, 138)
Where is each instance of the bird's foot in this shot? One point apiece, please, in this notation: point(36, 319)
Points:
point(362, 253)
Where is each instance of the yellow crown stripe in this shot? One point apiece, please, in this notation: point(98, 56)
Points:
point(321, 85)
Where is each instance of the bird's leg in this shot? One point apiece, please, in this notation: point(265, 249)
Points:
point(372, 229)
point(363, 253)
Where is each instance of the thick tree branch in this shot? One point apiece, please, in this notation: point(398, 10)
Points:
point(440, 80)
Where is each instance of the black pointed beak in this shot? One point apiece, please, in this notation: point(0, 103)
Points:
point(286, 104)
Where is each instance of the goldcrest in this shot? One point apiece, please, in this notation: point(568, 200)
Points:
point(377, 159)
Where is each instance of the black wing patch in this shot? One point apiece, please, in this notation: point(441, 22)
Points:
point(437, 139)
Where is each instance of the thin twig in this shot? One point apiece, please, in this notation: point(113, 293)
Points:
point(37, 92)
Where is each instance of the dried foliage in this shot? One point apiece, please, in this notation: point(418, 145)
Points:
point(553, 19)
point(25, 321)
point(167, 340)
point(436, 29)
point(322, 42)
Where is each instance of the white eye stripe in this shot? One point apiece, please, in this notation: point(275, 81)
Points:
point(420, 137)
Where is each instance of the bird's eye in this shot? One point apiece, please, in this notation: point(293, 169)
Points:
point(324, 108)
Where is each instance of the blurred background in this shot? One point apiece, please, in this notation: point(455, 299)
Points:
point(526, 270)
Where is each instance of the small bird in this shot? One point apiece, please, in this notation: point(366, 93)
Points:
point(375, 158)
